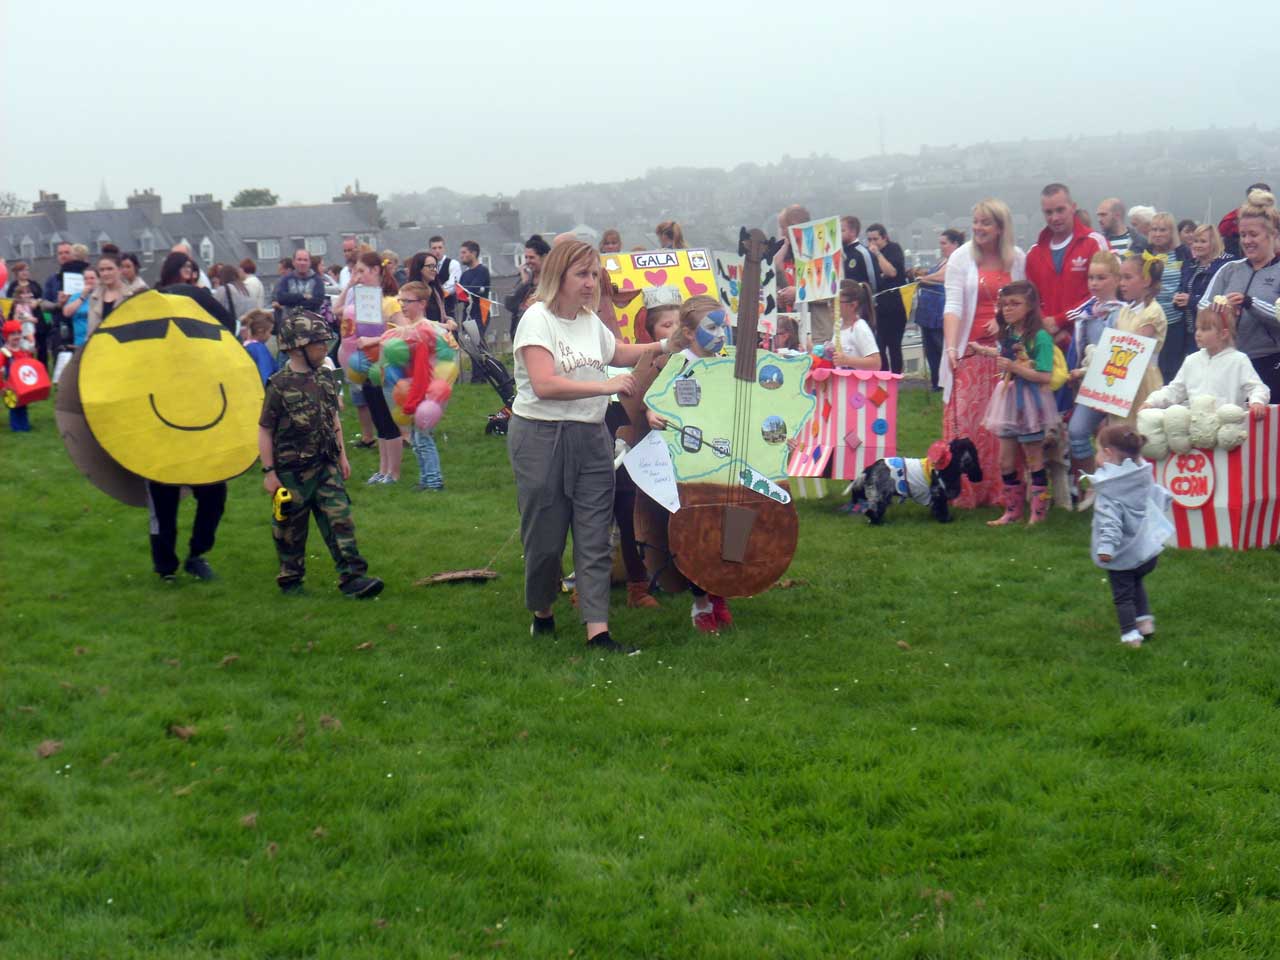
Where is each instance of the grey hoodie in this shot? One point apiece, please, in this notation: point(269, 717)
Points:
point(1129, 522)
point(1258, 331)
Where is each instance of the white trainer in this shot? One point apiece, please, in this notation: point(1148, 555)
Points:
point(1131, 639)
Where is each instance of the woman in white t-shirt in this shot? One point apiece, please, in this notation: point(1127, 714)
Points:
point(856, 342)
point(559, 446)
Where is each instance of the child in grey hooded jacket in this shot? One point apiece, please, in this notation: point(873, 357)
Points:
point(1129, 527)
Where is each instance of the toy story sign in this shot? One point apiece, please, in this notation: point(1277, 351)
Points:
point(1115, 373)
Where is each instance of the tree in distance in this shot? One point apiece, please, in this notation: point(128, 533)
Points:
point(255, 197)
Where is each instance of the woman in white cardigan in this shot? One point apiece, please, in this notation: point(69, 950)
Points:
point(975, 274)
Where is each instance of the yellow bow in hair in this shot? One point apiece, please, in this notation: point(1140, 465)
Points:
point(1148, 258)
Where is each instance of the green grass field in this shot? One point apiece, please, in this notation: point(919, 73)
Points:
point(932, 746)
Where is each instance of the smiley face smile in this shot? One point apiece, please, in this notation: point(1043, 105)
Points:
point(204, 426)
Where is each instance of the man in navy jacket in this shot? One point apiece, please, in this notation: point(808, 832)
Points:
point(300, 288)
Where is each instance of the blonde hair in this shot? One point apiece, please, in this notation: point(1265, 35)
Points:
point(80, 251)
point(1216, 249)
point(1105, 258)
point(557, 263)
point(1262, 205)
point(1222, 320)
point(998, 211)
point(1167, 219)
point(418, 289)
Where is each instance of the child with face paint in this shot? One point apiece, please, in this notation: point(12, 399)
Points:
point(705, 323)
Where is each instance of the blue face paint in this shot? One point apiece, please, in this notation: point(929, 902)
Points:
point(710, 335)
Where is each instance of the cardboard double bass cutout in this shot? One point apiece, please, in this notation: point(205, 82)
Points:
point(729, 419)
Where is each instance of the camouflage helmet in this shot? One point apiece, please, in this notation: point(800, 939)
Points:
point(303, 327)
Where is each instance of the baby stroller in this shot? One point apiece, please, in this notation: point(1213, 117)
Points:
point(493, 371)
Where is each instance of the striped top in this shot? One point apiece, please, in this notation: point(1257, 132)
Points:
point(1169, 283)
point(1121, 243)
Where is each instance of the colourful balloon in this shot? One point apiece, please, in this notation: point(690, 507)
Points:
point(400, 392)
point(395, 351)
point(391, 373)
point(358, 367)
point(400, 417)
point(375, 374)
point(440, 391)
point(427, 415)
point(446, 371)
point(345, 351)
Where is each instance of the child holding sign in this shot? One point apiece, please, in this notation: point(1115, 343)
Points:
point(1129, 527)
point(1139, 284)
point(1217, 368)
point(1091, 318)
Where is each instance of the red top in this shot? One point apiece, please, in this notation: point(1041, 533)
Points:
point(1061, 292)
point(989, 284)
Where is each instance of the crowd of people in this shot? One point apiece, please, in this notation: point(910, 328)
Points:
point(996, 325)
point(1154, 276)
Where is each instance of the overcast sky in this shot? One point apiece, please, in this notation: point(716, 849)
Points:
point(498, 96)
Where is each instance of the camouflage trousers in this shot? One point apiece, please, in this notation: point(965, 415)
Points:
point(319, 490)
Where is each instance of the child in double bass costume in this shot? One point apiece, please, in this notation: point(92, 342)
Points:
point(709, 613)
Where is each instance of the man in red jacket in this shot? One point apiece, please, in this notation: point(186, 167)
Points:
point(1058, 264)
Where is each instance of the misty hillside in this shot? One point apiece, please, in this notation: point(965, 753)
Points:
point(1198, 174)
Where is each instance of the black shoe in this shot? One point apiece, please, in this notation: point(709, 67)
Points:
point(542, 625)
point(602, 641)
point(199, 568)
point(362, 588)
point(292, 589)
point(169, 579)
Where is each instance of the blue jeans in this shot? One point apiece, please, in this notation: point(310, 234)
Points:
point(424, 448)
point(1085, 422)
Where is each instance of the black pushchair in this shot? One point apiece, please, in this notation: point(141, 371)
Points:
point(493, 371)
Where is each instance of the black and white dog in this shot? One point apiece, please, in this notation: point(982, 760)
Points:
point(933, 481)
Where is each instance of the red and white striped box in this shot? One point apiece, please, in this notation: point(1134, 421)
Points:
point(854, 424)
point(1227, 498)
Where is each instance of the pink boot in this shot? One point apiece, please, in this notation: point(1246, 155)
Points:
point(1014, 498)
point(1041, 501)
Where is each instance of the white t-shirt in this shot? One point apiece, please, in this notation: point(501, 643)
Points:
point(858, 340)
point(581, 348)
point(254, 286)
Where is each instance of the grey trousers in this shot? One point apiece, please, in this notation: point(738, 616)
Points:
point(564, 479)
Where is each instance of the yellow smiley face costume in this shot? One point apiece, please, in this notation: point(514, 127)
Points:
point(169, 393)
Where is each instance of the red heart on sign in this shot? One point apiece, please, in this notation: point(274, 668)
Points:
point(656, 278)
point(628, 285)
point(694, 287)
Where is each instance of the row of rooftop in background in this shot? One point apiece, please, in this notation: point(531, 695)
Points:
point(229, 235)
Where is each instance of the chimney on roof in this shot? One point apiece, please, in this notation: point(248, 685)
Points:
point(365, 205)
point(505, 218)
point(146, 202)
point(52, 206)
point(205, 204)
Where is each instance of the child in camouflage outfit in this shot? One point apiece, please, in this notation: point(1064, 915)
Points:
point(300, 442)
